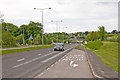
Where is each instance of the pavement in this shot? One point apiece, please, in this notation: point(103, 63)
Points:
point(99, 69)
point(28, 64)
point(72, 65)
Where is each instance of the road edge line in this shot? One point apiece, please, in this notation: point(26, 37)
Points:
point(91, 68)
point(55, 62)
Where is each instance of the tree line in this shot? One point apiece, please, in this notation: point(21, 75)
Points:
point(13, 35)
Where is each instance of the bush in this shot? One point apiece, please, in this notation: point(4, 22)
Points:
point(20, 38)
point(94, 45)
point(114, 38)
point(8, 40)
point(92, 36)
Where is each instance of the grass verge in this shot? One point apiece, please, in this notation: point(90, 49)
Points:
point(108, 53)
point(24, 49)
point(77, 46)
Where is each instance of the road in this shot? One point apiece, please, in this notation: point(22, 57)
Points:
point(72, 65)
point(29, 63)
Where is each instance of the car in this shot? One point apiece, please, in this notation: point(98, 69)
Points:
point(59, 47)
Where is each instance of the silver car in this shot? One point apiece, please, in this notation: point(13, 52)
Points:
point(59, 47)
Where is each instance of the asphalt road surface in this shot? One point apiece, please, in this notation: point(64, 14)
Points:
point(29, 63)
point(72, 65)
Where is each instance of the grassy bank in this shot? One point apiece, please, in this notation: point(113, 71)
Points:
point(108, 53)
point(24, 49)
point(77, 46)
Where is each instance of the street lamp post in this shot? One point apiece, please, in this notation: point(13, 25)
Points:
point(64, 35)
point(57, 27)
point(42, 21)
point(23, 37)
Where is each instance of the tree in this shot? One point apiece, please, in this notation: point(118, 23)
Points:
point(92, 36)
point(13, 29)
point(102, 32)
point(37, 39)
point(32, 28)
point(4, 26)
point(20, 38)
point(8, 40)
point(86, 33)
point(114, 32)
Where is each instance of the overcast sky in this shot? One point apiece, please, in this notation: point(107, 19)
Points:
point(77, 15)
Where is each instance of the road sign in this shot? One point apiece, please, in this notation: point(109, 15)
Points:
point(18, 41)
point(85, 42)
point(31, 37)
point(62, 42)
point(67, 42)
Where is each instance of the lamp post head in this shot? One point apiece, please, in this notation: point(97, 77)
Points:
point(49, 8)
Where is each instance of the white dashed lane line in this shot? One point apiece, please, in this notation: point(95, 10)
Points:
point(39, 54)
point(22, 59)
point(27, 62)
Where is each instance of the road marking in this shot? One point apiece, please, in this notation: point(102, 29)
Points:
point(39, 54)
point(75, 65)
point(41, 74)
point(32, 60)
point(48, 68)
point(72, 64)
point(82, 57)
point(65, 59)
point(21, 59)
point(42, 57)
point(44, 61)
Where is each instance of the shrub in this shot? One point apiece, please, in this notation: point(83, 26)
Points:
point(114, 38)
point(20, 38)
point(8, 40)
point(94, 44)
point(92, 36)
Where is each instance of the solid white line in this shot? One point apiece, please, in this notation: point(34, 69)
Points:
point(41, 74)
point(21, 59)
point(42, 57)
point(55, 56)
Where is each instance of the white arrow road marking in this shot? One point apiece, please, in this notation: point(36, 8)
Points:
point(75, 65)
point(27, 62)
point(72, 64)
point(21, 59)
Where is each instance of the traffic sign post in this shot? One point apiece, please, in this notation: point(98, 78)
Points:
point(31, 39)
point(85, 43)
